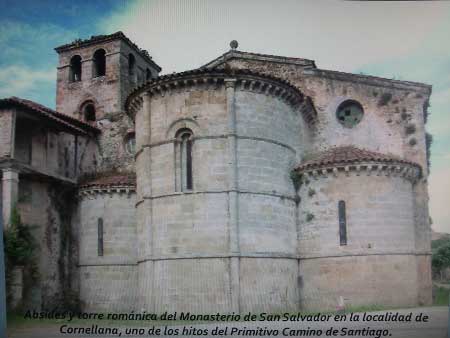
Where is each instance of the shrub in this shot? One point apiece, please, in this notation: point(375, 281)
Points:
point(428, 143)
point(20, 247)
point(410, 128)
point(296, 179)
point(384, 99)
point(440, 258)
point(19, 242)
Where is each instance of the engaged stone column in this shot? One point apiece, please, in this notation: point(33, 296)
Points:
point(233, 196)
point(10, 190)
point(145, 227)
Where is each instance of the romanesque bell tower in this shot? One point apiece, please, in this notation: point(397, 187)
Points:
point(94, 78)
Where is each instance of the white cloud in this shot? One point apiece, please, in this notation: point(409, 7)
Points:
point(338, 35)
point(22, 80)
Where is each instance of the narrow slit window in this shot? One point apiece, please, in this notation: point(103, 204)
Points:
point(185, 140)
point(188, 164)
point(100, 236)
point(342, 223)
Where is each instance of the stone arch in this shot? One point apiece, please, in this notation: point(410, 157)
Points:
point(99, 63)
point(75, 71)
point(185, 123)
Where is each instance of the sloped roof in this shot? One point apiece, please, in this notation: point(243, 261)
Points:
point(312, 68)
point(94, 39)
point(68, 122)
point(111, 180)
point(349, 155)
point(231, 54)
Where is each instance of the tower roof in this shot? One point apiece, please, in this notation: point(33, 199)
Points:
point(347, 155)
point(95, 39)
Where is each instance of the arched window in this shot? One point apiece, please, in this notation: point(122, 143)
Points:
point(88, 112)
point(131, 64)
point(185, 140)
point(148, 74)
point(99, 63)
point(130, 143)
point(75, 69)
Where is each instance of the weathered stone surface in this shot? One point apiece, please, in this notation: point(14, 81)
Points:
point(244, 238)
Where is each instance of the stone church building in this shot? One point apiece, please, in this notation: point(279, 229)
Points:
point(253, 183)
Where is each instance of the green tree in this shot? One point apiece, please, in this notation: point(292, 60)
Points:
point(18, 240)
point(441, 258)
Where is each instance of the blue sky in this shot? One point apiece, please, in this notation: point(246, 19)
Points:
point(402, 40)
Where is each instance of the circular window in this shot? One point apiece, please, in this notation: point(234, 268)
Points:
point(130, 144)
point(349, 113)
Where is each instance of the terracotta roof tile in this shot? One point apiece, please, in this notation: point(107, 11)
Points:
point(60, 118)
point(349, 155)
point(109, 180)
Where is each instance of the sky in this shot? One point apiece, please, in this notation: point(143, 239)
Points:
point(402, 40)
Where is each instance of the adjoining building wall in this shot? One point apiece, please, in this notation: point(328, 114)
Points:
point(108, 277)
point(7, 127)
point(46, 209)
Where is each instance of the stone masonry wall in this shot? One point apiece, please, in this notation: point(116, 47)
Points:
point(108, 93)
point(187, 237)
point(108, 282)
point(46, 209)
point(394, 122)
point(380, 241)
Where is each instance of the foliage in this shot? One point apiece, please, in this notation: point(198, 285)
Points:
point(410, 128)
point(428, 143)
point(426, 105)
point(440, 296)
point(440, 258)
point(20, 247)
point(18, 240)
point(437, 243)
point(309, 217)
point(384, 99)
point(296, 179)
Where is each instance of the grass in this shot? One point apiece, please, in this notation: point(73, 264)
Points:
point(441, 296)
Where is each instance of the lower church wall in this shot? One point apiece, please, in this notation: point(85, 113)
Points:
point(383, 280)
point(109, 288)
